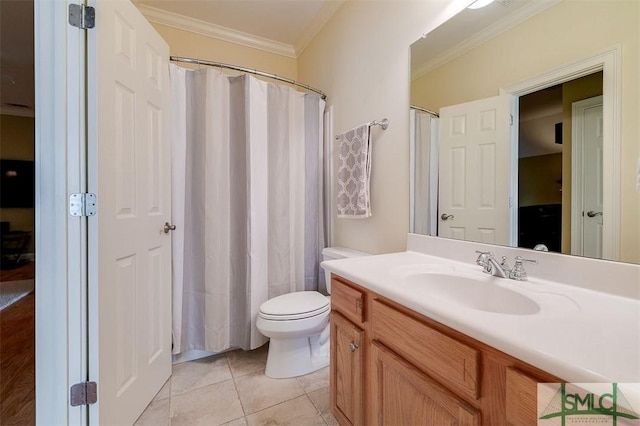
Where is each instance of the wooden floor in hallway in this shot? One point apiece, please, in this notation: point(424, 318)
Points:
point(17, 355)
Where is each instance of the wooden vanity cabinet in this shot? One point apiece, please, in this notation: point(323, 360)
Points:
point(393, 366)
point(401, 394)
point(347, 354)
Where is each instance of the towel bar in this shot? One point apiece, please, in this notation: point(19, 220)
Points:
point(384, 123)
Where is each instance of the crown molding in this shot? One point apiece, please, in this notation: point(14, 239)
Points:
point(208, 29)
point(329, 8)
point(503, 25)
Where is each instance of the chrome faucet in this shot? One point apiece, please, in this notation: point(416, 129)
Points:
point(491, 266)
point(518, 273)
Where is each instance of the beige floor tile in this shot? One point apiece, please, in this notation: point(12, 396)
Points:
point(296, 412)
point(247, 362)
point(314, 381)
point(156, 414)
point(208, 406)
point(198, 373)
point(165, 392)
point(239, 422)
point(320, 399)
point(258, 391)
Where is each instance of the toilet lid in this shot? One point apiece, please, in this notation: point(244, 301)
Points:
point(298, 305)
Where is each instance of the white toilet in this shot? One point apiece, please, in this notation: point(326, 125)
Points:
point(298, 326)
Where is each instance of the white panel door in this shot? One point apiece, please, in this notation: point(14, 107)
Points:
point(592, 178)
point(130, 254)
point(475, 171)
point(587, 197)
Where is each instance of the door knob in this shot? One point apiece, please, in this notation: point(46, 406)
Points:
point(591, 213)
point(353, 346)
point(168, 227)
point(446, 216)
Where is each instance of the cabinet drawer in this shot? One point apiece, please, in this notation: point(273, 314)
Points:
point(347, 300)
point(444, 358)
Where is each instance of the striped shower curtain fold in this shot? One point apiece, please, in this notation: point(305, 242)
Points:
point(247, 202)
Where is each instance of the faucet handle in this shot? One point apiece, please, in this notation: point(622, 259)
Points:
point(518, 273)
point(484, 257)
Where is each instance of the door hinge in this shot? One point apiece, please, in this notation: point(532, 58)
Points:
point(82, 204)
point(510, 119)
point(81, 16)
point(510, 202)
point(84, 393)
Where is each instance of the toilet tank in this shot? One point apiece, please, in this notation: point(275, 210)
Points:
point(333, 253)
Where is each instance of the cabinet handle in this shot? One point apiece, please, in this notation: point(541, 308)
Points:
point(353, 347)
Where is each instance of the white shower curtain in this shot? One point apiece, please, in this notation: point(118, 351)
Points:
point(247, 203)
point(424, 176)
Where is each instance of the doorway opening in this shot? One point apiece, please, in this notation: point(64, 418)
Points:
point(608, 63)
point(548, 184)
point(17, 214)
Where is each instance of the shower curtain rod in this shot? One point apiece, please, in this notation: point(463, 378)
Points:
point(428, 111)
point(247, 70)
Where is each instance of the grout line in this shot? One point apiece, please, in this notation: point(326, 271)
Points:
point(194, 362)
point(297, 380)
point(235, 385)
point(285, 401)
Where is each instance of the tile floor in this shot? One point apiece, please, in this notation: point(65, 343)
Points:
point(231, 389)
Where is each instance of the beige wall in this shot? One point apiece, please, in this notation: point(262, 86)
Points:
point(17, 142)
point(361, 60)
point(192, 45)
point(540, 45)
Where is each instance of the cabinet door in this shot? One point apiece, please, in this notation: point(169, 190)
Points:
point(521, 398)
point(404, 395)
point(346, 370)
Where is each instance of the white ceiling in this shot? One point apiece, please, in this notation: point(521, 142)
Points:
point(278, 20)
point(280, 26)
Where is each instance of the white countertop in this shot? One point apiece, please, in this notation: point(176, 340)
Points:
point(595, 337)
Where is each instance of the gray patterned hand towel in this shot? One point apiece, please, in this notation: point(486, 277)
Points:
point(354, 172)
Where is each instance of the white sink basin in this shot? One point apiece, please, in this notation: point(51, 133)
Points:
point(479, 293)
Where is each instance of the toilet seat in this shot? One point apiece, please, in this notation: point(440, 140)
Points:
point(295, 306)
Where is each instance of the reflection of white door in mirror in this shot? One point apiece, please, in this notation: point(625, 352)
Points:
point(457, 63)
point(475, 141)
point(587, 196)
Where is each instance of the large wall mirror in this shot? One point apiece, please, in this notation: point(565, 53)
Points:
point(525, 127)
